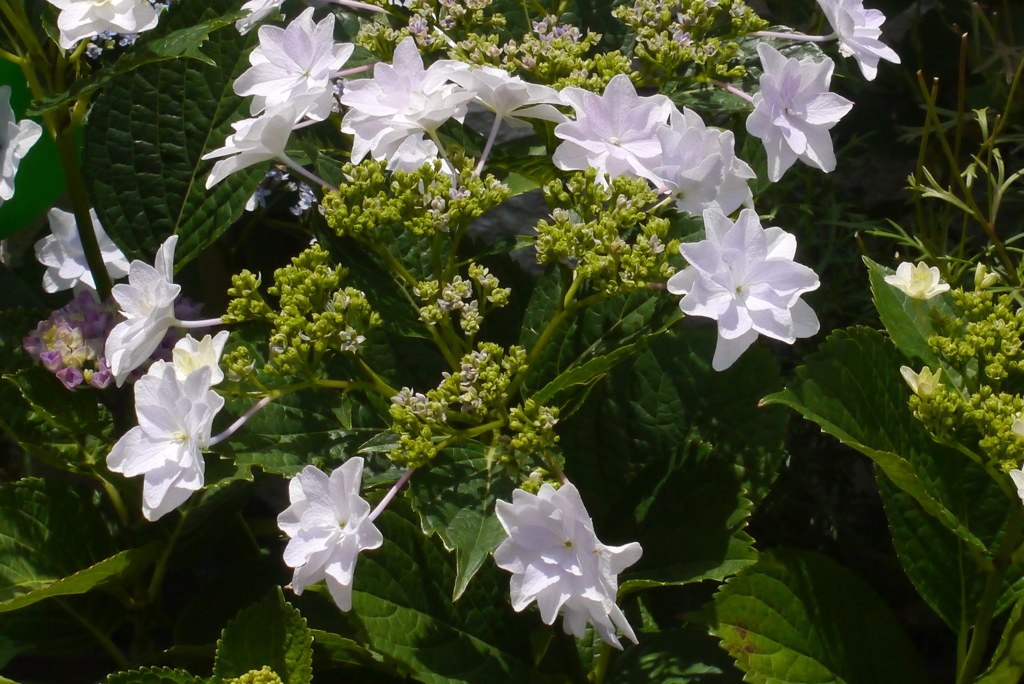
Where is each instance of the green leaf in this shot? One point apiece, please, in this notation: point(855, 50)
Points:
point(78, 413)
point(1007, 666)
point(342, 650)
point(120, 566)
point(684, 655)
point(147, 133)
point(580, 378)
point(852, 388)
point(154, 675)
point(798, 617)
point(910, 322)
point(403, 610)
point(269, 633)
point(455, 498)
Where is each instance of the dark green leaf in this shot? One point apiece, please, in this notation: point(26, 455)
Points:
point(269, 633)
point(798, 617)
point(685, 655)
point(147, 132)
point(154, 675)
point(1007, 666)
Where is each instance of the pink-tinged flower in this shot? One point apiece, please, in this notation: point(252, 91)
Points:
point(858, 30)
point(794, 112)
point(295, 62)
point(329, 526)
point(401, 100)
point(616, 133)
point(147, 304)
point(80, 19)
point(175, 422)
point(557, 560)
point(15, 142)
point(64, 257)
point(744, 277)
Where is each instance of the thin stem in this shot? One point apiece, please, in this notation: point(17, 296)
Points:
point(297, 168)
point(601, 668)
point(349, 385)
point(391, 494)
point(201, 323)
point(161, 565)
point(360, 5)
point(236, 426)
point(383, 387)
point(490, 142)
point(795, 36)
point(353, 70)
point(11, 57)
point(735, 91)
point(115, 498)
point(109, 646)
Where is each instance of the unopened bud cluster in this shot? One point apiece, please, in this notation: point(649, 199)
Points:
point(471, 298)
point(560, 55)
point(606, 233)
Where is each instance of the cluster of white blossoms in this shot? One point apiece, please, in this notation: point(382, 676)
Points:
point(80, 19)
point(64, 257)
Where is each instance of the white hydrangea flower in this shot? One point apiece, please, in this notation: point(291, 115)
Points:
point(616, 133)
point(15, 142)
point(557, 560)
point(80, 19)
point(1018, 480)
point(62, 254)
point(510, 97)
point(190, 354)
point(293, 62)
point(147, 304)
point(794, 111)
point(329, 525)
point(402, 99)
point(256, 140)
point(744, 277)
point(258, 11)
point(175, 421)
point(919, 282)
point(858, 30)
point(923, 384)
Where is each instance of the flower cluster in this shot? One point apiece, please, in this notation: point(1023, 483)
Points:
point(70, 342)
point(80, 19)
point(64, 257)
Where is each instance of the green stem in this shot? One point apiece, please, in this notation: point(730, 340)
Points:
point(109, 646)
point(161, 565)
point(601, 668)
point(115, 498)
point(11, 57)
point(381, 386)
point(989, 597)
point(349, 385)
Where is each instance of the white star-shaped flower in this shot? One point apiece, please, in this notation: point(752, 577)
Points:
point(62, 254)
point(794, 111)
point(258, 11)
point(175, 421)
point(557, 560)
point(510, 97)
point(15, 142)
point(256, 140)
point(293, 62)
point(616, 133)
point(190, 354)
point(744, 277)
point(919, 282)
point(402, 99)
point(80, 19)
point(923, 384)
point(858, 30)
point(147, 304)
point(329, 526)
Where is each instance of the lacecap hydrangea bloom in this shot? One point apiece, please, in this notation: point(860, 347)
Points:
point(743, 276)
point(329, 525)
point(16, 139)
point(175, 422)
point(557, 560)
point(64, 257)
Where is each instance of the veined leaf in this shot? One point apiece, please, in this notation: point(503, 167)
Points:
point(154, 675)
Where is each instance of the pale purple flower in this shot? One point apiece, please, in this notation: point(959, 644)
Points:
point(858, 30)
point(16, 139)
point(64, 257)
point(615, 133)
point(294, 62)
point(80, 19)
point(147, 304)
point(794, 111)
point(175, 422)
point(402, 99)
point(329, 525)
point(557, 560)
point(744, 277)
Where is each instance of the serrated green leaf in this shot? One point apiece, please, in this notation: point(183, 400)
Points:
point(910, 322)
point(852, 388)
point(154, 675)
point(120, 566)
point(162, 118)
point(77, 413)
point(684, 655)
point(1007, 665)
point(455, 499)
point(798, 617)
point(402, 605)
point(271, 633)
